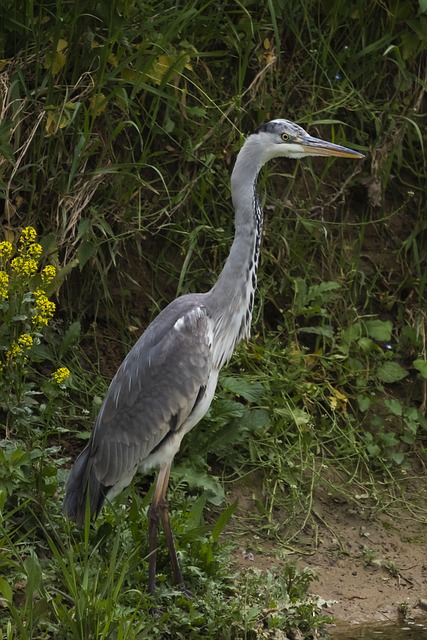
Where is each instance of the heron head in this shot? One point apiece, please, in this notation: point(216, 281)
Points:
point(285, 138)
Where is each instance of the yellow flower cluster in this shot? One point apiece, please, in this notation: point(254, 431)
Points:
point(35, 250)
point(26, 311)
point(44, 309)
point(4, 285)
point(48, 274)
point(25, 342)
point(28, 235)
point(24, 266)
point(5, 249)
point(60, 375)
point(14, 351)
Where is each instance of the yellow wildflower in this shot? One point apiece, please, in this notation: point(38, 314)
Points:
point(25, 341)
point(60, 375)
point(5, 249)
point(44, 308)
point(14, 351)
point(28, 234)
point(24, 266)
point(48, 274)
point(4, 284)
point(35, 250)
point(39, 321)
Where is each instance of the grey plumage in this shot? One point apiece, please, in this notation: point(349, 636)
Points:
point(160, 382)
point(167, 381)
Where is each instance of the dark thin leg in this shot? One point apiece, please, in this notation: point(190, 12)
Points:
point(164, 515)
point(153, 525)
point(159, 509)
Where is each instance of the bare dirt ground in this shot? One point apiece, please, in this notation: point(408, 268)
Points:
point(369, 566)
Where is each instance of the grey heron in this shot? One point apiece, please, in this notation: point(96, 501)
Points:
point(166, 383)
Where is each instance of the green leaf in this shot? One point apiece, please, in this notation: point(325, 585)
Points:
point(223, 520)
point(71, 337)
point(200, 479)
point(250, 391)
point(195, 514)
point(373, 450)
point(6, 590)
point(318, 291)
point(379, 329)
point(398, 457)
point(364, 402)
point(352, 333)
point(196, 111)
point(325, 330)
point(366, 345)
point(254, 419)
point(388, 439)
point(420, 27)
point(394, 407)
point(224, 409)
point(85, 251)
point(420, 365)
point(34, 573)
point(391, 372)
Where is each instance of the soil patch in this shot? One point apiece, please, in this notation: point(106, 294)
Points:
point(369, 566)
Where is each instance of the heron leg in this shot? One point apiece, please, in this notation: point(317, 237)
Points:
point(159, 508)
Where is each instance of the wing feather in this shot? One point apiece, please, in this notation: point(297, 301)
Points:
point(153, 391)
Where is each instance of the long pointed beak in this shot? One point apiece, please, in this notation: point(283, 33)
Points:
point(316, 147)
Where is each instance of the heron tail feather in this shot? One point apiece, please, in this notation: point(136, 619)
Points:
point(83, 491)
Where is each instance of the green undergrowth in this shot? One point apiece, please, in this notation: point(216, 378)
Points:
point(119, 125)
point(61, 582)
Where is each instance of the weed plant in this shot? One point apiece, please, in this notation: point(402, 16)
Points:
point(119, 123)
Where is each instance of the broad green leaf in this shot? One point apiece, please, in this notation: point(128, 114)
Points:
point(352, 333)
point(373, 450)
point(325, 330)
point(200, 479)
point(379, 329)
point(394, 407)
point(391, 372)
point(250, 391)
point(34, 573)
point(85, 251)
point(224, 409)
point(366, 345)
point(398, 457)
point(6, 590)
point(388, 439)
point(254, 419)
point(299, 416)
point(421, 365)
point(364, 402)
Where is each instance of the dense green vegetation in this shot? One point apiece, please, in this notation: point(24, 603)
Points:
point(119, 123)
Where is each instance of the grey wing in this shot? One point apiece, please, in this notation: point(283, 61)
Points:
point(154, 391)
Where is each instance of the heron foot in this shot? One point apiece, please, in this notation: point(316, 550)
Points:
point(158, 611)
point(185, 592)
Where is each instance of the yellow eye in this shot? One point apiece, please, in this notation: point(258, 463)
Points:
point(285, 137)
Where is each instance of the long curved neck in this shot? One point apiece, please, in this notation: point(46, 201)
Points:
point(230, 301)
